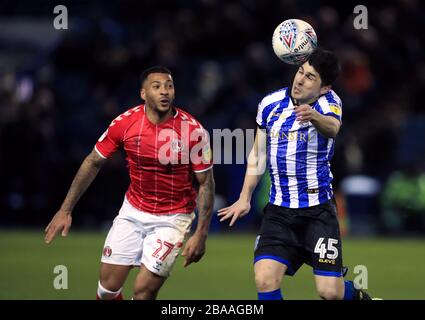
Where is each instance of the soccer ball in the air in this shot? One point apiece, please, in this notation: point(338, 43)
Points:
point(293, 41)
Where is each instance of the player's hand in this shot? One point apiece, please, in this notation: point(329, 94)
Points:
point(61, 222)
point(235, 211)
point(305, 113)
point(194, 249)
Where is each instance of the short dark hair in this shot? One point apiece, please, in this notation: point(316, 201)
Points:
point(154, 69)
point(326, 64)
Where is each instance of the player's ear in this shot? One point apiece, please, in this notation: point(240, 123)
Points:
point(325, 89)
point(143, 94)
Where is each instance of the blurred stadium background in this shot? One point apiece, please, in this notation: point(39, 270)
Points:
point(59, 89)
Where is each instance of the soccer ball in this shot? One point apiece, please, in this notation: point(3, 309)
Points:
point(293, 41)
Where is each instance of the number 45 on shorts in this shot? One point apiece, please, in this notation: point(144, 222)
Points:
point(322, 248)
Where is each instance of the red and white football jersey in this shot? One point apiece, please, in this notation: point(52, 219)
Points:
point(161, 158)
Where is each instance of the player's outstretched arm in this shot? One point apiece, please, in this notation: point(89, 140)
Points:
point(62, 220)
point(255, 169)
point(195, 245)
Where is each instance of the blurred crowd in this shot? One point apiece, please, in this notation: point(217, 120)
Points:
point(59, 89)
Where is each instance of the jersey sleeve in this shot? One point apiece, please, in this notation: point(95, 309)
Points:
point(266, 106)
point(330, 105)
point(260, 119)
point(200, 150)
point(111, 139)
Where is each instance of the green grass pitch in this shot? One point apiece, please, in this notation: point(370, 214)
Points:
point(395, 268)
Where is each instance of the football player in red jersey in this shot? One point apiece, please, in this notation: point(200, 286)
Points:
point(165, 148)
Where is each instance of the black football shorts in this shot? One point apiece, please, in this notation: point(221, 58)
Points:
point(297, 236)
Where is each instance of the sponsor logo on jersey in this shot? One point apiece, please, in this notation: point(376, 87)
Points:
point(328, 261)
point(107, 251)
point(335, 109)
point(289, 135)
point(176, 146)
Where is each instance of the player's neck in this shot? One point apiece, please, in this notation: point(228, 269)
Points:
point(157, 117)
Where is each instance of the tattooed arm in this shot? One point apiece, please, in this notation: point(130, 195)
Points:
point(61, 221)
point(195, 246)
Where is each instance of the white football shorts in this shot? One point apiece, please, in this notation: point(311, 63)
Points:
point(137, 237)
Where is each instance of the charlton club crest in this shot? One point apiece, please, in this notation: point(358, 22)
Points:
point(107, 251)
point(176, 146)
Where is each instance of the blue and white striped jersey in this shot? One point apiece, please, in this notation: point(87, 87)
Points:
point(298, 157)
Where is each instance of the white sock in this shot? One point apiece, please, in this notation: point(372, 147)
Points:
point(105, 294)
